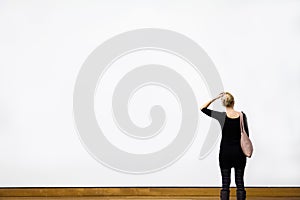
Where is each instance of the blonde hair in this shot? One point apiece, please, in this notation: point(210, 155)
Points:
point(227, 99)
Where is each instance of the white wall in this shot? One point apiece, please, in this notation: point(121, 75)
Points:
point(43, 44)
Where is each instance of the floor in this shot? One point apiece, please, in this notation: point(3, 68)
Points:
point(143, 198)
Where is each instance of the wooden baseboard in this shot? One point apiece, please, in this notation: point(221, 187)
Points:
point(144, 191)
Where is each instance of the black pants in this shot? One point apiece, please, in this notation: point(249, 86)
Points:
point(239, 178)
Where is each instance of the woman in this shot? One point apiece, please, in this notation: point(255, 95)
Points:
point(230, 154)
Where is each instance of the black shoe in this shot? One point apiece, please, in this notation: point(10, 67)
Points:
point(240, 194)
point(224, 194)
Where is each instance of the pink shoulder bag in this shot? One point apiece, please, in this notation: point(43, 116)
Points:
point(246, 143)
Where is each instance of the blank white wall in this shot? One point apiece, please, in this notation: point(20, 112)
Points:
point(254, 45)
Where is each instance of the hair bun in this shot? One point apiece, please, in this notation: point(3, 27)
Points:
point(227, 99)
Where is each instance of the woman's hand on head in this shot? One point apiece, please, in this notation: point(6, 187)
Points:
point(220, 95)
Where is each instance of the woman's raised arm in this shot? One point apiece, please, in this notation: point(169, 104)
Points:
point(209, 102)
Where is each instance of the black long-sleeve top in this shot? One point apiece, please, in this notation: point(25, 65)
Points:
point(230, 150)
point(227, 127)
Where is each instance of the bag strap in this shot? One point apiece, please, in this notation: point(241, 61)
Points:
point(242, 122)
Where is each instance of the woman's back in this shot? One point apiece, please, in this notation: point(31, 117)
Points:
point(230, 126)
point(231, 132)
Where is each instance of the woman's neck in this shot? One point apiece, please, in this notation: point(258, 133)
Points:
point(230, 109)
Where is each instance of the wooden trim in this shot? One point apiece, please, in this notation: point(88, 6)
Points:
point(144, 191)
